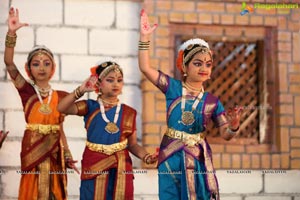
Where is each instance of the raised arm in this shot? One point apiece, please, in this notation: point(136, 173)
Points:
point(144, 56)
point(67, 104)
point(13, 25)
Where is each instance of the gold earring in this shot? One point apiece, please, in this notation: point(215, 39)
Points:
point(100, 92)
point(184, 73)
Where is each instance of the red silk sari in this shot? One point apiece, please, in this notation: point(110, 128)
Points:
point(96, 165)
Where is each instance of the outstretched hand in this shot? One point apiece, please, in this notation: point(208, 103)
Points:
point(13, 20)
point(2, 137)
point(146, 28)
point(234, 116)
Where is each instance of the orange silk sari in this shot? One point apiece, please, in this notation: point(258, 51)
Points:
point(43, 170)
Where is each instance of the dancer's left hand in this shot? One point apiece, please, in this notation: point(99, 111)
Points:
point(234, 116)
point(71, 164)
point(145, 27)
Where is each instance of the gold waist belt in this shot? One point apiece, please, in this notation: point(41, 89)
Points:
point(187, 138)
point(42, 128)
point(107, 149)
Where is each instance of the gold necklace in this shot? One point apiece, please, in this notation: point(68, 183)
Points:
point(44, 91)
point(111, 127)
point(187, 117)
point(45, 107)
point(192, 88)
point(108, 102)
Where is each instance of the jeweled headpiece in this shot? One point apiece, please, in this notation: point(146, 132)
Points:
point(39, 49)
point(188, 49)
point(104, 67)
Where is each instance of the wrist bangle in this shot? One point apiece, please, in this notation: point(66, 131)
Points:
point(235, 130)
point(145, 158)
point(229, 130)
point(144, 45)
point(10, 40)
point(77, 93)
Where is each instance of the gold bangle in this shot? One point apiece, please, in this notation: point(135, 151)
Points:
point(77, 93)
point(141, 42)
point(143, 48)
point(10, 40)
point(144, 45)
point(145, 158)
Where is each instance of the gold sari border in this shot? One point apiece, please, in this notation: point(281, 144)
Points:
point(44, 180)
point(100, 187)
point(121, 177)
point(38, 152)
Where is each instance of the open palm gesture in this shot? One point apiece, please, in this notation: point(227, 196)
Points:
point(146, 28)
point(13, 20)
point(90, 84)
point(234, 116)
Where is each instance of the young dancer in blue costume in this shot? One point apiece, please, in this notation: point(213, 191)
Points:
point(185, 158)
point(111, 135)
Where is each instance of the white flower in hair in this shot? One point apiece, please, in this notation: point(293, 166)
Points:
point(193, 41)
point(106, 59)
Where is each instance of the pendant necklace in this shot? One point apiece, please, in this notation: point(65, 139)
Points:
point(45, 107)
point(188, 117)
point(111, 127)
point(44, 91)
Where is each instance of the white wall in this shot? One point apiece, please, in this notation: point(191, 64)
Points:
point(79, 32)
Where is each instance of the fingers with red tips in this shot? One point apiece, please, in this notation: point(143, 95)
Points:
point(142, 12)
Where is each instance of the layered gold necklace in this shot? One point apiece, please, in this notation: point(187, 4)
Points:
point(187, 117)
point(111, 127)
point(45, 107)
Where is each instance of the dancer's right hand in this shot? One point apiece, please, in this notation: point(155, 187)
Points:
point(13, 21)
point(90, 84)
point(145, 27)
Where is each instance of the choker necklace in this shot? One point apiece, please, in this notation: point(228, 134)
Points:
point(191, 88)
point(187, 117)
point(45, 107)
point(44, 90)
point(108, 102)
point(111, 127)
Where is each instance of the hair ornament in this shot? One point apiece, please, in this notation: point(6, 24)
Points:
point(188, 49)
point(104, 67)
point(190, 43)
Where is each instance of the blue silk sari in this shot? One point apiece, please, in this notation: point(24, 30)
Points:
point(187, 172)
point(102, 175)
